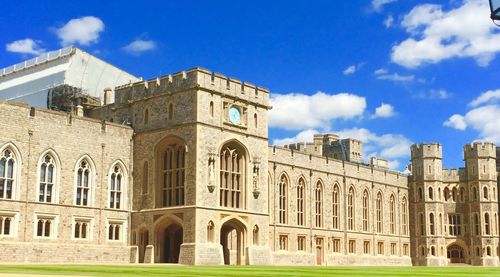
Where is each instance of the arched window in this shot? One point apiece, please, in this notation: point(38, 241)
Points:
point(476, 224)
point(487, 223)
point(350, 209)
point(446, 193)
point(145, 178)
point(8, 172)
point(336, 192)
point(379, 214)
point(283, 203)
point(232, 168)
point(454, 194)
point(474, 193)
point(440, 228)
point(146, 116)
point(255, 235)
point(47, 179)
point(485, 193)
point(392, 215)
point(488, 251)
point(404, 210)
point(420, 194)
point(462, 195)
point(431, 224)
point(300, 202)
point(431, 193)
point(210, 231)
point(422, 225)
point(116, 186)
point(173, 175)
point(170, 111)
point(433, 251)
point(319, 205)
point(211, 108)
point(366, 210)
point(84, 182)
point(255, 120)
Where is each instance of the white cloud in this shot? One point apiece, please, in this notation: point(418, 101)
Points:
point(24, 46)
point(139, 46)
point(383, 74)
point(303, 136)
point(84, 30)
point(388, 21)
point(456, 121)
point(377, 5)
point(491, 96)
point(484, 119)
point(439, 94)
point(297, 111)
point(353, 68)
point(437, 35)
point(384, 111)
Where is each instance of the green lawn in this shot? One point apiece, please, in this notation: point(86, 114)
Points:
point(241, 271)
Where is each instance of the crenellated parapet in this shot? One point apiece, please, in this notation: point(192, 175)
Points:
point(454, 175)
point(193, 78)
point(480, 150)
point(427, 150)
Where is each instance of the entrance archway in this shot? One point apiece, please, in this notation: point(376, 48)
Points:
point(168, 243)
point(456, 254)
point(233, 241)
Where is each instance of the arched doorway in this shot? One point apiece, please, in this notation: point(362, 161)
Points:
point(232, 239)
point(456, 254)
point(168, 243)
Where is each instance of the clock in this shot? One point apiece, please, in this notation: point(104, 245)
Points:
point(234, 115)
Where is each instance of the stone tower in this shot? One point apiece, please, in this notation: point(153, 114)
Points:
point(426, 208)
point(480, 161)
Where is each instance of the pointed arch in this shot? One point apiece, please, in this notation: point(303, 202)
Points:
point(366, 210)
point(283, 198)
point(10, 171)
point(392, 214)
point(351, 204)
point(336, 206)
point(117, 185)
point(171, 159)
point(85, 181)
point(48, 176)
point(301, 190)
point(404, 211)
point(318, 204)
point(379, 204)
point(233, 171)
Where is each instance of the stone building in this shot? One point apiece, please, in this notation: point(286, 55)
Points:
point(178, 170)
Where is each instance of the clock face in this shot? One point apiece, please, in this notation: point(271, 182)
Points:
point(234, 115)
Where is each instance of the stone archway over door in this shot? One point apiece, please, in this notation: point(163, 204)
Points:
point(233, 240)
point(168, 243)
point(455, 254)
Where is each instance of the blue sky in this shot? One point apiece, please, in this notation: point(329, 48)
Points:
point(388, 72)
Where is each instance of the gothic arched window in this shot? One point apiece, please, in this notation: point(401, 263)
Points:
point(283, 203)
point(350, 209)
point(404, 210)
point(336, 204)
point(84, 183)
point(47, 179)
point(116, 187)
point(319, 205)
point(378, 207)
point(173, 174)
point(8, 169)
point(392, 215)
point(300, 202)
point(366, 211)
point(232, 181)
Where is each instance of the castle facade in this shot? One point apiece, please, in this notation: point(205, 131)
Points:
point(179, 169)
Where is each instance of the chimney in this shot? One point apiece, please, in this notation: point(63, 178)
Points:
point(79, 110)
point(108, 96)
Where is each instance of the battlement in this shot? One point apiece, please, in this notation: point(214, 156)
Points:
point(426, 150)
point(453, 174)
point(480, 150)
point(192, 78)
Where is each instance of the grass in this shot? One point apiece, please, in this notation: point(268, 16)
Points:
point(242, 271)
